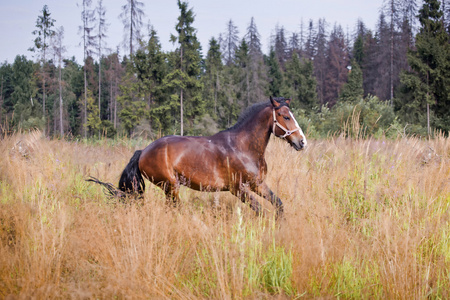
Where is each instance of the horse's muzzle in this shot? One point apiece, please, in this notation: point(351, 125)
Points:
point(300, 145)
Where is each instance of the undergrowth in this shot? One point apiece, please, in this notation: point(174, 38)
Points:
point(364, 218)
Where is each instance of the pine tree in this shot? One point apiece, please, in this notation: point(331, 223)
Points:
point(44, 32)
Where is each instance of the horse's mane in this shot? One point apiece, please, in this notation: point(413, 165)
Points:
point(253, 110)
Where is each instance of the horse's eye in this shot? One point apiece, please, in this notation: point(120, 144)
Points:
point(286, 118)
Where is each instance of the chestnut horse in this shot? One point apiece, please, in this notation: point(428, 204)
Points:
point(231, 160)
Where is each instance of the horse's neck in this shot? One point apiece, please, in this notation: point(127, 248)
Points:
point(255, 134)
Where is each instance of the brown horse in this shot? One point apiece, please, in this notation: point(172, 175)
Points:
point(231, 160)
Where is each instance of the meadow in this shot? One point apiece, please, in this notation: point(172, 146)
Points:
point(364, 218)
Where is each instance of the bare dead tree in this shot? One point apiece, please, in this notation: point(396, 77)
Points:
point(44, 32)
point(229, 42)
point(88, 40)
point(131, 15)
point(59, 49)
point(101, 35)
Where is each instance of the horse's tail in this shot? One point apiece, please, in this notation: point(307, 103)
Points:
point(131, 181)
point(111, 190)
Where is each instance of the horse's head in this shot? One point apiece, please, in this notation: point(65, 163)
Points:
point(284, 124)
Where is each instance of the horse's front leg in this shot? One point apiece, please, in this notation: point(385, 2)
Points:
point(264, 191)
point(243, 192)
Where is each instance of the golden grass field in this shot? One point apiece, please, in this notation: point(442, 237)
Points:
point(364, 218)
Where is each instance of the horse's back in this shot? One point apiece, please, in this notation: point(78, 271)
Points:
point(199, 161)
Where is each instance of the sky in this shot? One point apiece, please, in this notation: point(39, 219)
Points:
point(18, 20)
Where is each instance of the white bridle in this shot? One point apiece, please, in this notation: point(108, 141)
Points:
point(287, 132)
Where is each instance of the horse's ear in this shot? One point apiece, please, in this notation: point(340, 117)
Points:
point(288, 101)
point(274, 102)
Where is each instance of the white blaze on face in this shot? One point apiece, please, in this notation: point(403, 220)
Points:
point(299, 129)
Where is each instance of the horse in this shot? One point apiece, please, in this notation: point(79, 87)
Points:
point(230, 160)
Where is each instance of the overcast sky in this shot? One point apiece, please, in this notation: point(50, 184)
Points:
point(18, 19)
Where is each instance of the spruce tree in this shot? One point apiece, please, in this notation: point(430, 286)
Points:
point(256, 68)
point(150, 68)
point(212, 78)
point(275, 75)
point(337, 61)
point(300, 83)
point(426, 89)
point(6, 88)
point(187, 60)
point(352, 91)
point(26, 108)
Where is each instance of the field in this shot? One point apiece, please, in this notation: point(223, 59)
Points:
point(364, 218)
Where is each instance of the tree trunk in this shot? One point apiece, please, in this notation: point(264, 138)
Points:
point(131, 28)
point(99, 85)
point(43, 86)
point(115, 103)
point(61, 128)
point(181, 108)
point(391, 82)
point(1, 102)
point(428, 119)
point(181, 93)
point(85, 101)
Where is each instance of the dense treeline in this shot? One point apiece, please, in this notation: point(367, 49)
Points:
point(390, 79)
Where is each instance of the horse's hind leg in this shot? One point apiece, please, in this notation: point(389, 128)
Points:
point(172, 193)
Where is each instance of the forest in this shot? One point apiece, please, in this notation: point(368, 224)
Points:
point(390, 80)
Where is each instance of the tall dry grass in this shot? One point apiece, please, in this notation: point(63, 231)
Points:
point(364, 219)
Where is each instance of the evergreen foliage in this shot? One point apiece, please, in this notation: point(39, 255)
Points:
point(424, 96)
point(183, 79)
point(300, 83)
point(183, 91)
point(352, 91)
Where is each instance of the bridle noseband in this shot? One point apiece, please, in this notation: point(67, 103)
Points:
point(287, 132)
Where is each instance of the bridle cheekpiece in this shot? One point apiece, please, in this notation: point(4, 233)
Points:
point(287, 132)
